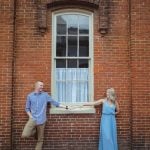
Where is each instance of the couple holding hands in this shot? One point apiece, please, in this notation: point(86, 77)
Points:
point(36, 106)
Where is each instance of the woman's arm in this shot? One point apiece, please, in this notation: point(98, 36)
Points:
point(95, 103)
point(117, 107)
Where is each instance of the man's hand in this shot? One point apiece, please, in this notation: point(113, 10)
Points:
point(67, 107)
point(64, 106)
point(29, 114)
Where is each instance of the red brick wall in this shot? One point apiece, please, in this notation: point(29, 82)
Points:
point(6, 57)
point(112, 66)
point(140, 56)
point(120, 60)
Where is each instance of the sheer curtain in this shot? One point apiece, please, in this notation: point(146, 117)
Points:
point(72, 84)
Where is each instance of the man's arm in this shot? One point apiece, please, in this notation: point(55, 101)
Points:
point(63, 106)
point(56, 103)
point(28, 106)
point(29, 114)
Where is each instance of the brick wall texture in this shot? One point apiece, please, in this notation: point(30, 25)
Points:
point(121, 60)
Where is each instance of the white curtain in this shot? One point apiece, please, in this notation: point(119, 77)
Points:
point(72, 84)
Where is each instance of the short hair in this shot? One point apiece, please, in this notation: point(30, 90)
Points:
point(37, 82)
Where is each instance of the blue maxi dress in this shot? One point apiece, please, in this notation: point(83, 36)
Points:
point(108, 129)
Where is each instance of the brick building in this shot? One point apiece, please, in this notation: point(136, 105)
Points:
point(106, 40)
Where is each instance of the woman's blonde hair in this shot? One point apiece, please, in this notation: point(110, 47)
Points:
point(111, 94)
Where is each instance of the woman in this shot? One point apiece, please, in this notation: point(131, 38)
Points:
point(108, 130)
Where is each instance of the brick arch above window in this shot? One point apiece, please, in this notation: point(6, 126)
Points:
point(101, 5)
point(88, 3)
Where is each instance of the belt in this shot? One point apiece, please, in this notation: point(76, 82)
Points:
point(107, 114)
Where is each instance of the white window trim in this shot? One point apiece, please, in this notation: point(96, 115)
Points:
point(83, 110)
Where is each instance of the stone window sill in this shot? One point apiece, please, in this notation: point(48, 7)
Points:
point(83, 110)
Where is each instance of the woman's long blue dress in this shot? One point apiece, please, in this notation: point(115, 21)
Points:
point(108, 131)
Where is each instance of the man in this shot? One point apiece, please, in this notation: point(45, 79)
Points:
point(36, 105)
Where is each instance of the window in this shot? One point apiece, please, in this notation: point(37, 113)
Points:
point(72, 57)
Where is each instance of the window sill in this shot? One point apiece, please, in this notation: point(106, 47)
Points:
point(85, 110)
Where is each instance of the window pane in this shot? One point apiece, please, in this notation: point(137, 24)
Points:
point(61, 46)
point(61, 24)
point(83, 24)
point(72, 24)
point(72, 46)
point(83, 63)
point(72, 63)
point(60, 63)
point(72, 71)
point(72, 84)
point(83, 46)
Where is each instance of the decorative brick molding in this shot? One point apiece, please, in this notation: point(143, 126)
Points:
point(103, 6)
point(104, 16)
point(89, 3)
point(42, 18)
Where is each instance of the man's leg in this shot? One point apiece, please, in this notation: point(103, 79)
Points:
point(40, 132)
point(29, 129)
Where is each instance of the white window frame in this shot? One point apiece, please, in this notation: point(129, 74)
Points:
point(55, 110)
